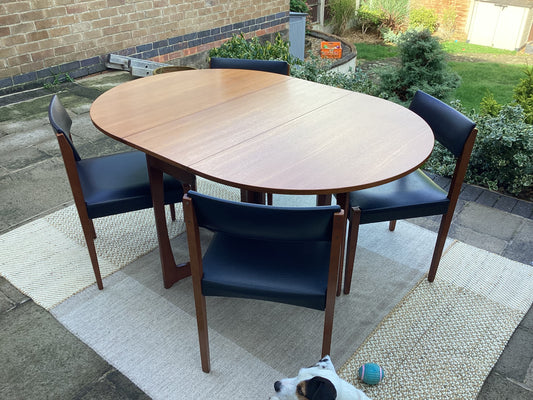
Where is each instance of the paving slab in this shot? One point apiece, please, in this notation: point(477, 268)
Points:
point(486, 220)
point(41, 359)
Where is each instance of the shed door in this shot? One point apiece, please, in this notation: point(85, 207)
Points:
point(497, 25)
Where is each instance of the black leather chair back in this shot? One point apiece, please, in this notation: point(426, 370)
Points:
point(256, 221)
point(450, 127)
point(275, 66)
point(61, 122)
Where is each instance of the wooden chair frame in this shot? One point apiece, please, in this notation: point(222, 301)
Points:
point(195, 254)
point(453, 195)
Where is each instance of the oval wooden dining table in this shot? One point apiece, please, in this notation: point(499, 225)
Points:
point(260, 132)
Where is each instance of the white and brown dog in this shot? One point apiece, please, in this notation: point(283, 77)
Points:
point(318, 382)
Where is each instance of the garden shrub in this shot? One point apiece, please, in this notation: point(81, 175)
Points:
point(502, 158)
point(425, 18)
point(523, 94)
point(342, 14)
point(239, 47)
point(395, 12)
point(318, 70)
point(423, 66)
point(448, 24)
point(489, 105)
point(369, 19)
point(389, 36)
point(299, 6)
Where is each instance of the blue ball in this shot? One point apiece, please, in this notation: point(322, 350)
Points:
point(371, 373)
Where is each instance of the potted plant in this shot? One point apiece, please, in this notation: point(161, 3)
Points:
point(297, 17)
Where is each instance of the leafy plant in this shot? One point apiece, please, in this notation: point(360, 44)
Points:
point(447, 24)
point(342, 12)
point(239, 47)
point(423, 66)
point(489, 105)
point(299, 6)
point(318, 70)
point(425, 18)
point(502, 158)
point(369, 19)
point(523, 94)
point(395, 12)
point(57, 79)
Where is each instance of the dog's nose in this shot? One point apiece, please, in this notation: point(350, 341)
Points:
point(277, 386)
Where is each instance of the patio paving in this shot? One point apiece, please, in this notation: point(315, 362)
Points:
point(35, 348)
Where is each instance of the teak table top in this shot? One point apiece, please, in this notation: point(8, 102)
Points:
point(265, 132)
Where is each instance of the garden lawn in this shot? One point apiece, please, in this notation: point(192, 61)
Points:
point(477, 78)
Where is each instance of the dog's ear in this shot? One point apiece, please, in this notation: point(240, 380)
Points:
point(317, 388)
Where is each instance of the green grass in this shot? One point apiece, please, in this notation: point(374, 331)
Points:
point(476, 77)
point(479, 77)
point(462, 47)
point(372, 52)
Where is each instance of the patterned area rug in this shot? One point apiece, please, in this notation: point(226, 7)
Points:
point(55, 263)
point(443, 338)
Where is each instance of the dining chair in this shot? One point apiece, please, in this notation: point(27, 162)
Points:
point(106, 185)
point(275, 66)
point(279, 254)
point(416, 195)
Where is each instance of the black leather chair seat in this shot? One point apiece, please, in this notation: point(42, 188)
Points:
point(292, 273)
point(414, 195)
point(126, 189)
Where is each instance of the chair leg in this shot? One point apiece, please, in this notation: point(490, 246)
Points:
point(89, 233)
point(91, 225)
point(203, 337)
point(439, 245)
point(353, 233)
point(172, 211)
point(392, 225)
point(328, 328)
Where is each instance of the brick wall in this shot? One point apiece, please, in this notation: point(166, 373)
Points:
point(43, 39)
point(461, 7)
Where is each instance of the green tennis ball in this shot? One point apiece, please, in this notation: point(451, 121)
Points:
point(371, 373)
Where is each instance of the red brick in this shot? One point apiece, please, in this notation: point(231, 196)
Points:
point(36, 36)
point(23, 27)
point(33, 15)
point(11, 19)
point(46, 23)
point(32, 66)
point(62, 50)
point(42, 55)
point(4, 31)
point(76, 8)
point(17, 7)
point(115, 3)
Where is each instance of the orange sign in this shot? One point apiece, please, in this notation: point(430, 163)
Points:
point(331, 50)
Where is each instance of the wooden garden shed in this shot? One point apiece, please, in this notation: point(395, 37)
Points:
point(504, 24)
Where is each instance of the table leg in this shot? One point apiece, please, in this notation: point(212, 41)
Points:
point(249, 196)
point(171, 272)
point(323, 199)
point(343, 200)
